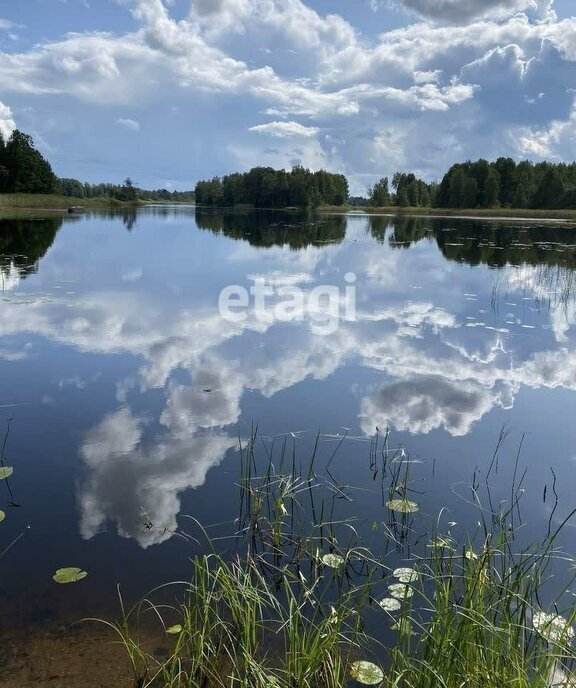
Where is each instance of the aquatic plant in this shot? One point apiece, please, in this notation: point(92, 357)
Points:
point(292, 608)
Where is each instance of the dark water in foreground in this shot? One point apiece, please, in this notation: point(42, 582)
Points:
point(127, 391)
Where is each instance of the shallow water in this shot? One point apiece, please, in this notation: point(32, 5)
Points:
point(127, 391)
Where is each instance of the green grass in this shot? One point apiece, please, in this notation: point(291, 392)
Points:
point(54, 202)
point(283, 614)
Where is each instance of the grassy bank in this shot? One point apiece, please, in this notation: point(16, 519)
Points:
point(306, 603)
point(56, 203)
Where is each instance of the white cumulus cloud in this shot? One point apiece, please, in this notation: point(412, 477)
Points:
point(284, 130)
point(7, 123)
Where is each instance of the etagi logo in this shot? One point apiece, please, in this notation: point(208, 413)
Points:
point(324, 305)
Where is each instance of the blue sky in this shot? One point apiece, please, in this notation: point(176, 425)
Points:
point(176, 90)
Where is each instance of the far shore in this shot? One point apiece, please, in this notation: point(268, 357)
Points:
point(56, 203)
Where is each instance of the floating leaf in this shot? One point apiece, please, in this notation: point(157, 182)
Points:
point(366, 673)
point(334, 561)
point(553, 627)
point(174, 630)
point(406, 575)
point(2, 516)
point(390, 604)
point(404, 627)
point(69, 575)
point(6, 472)
point(442, 543)
point(403, 506)
point(400, 591)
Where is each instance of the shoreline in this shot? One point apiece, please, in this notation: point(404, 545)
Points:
point(60, 204)
point(57, 203)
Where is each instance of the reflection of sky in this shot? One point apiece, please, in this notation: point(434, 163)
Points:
point(434, 351)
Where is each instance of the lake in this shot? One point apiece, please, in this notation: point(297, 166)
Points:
point(126, 389)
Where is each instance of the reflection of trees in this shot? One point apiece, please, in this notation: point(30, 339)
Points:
point(549, 249)
point(405, 229)
point(498, 244)
point(23, 242)
point(495, 244)
point(296, 230)
point(130, 214)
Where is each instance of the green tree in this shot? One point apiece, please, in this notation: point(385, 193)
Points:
point(457, 192)
point(27, 170)
point(491, 193)
point(506, 169)
point(129, 191)
point(413, 193)
point(379, 194)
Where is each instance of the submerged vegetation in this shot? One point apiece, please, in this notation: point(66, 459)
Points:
point(302, 602)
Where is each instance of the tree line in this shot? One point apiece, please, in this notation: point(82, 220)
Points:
point(483, 184)
point(265, 187)
point(508, 184)
point(480, 184)
point(127, 191)
point(23, 169)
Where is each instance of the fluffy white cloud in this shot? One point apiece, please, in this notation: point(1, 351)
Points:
point(284, 130)
point(421, 96)
point(7, 123)
point(553, 142)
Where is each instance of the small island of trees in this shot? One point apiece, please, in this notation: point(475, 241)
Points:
point(264, 187)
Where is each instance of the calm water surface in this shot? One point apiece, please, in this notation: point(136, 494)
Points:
point(128, 392)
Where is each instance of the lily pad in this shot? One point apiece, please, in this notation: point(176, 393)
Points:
point(403, 506)
point(70, 574)
point(174, 630)
point(404, 627)
point(390, 604)
point(400, 591)
point(366, 673)
point(405, 575)
point(6, 472)
point(334, 561)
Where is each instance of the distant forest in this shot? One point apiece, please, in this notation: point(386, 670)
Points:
point(480, 184)
point(265, 187)
point(23, 169)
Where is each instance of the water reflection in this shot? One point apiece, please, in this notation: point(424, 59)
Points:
point(23, 242)
point(479, 242)
point(273, 228)
point(436, 346)
point(131, 486)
